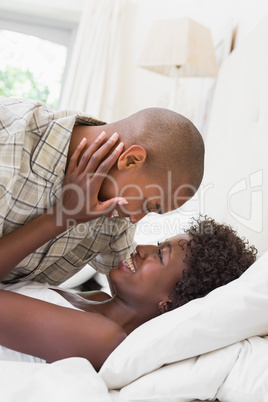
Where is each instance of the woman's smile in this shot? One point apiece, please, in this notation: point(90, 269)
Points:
point(128, 264)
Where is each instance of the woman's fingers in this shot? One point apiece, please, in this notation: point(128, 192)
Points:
point(83, 161)
point(107, 207)
point(93, 156)
point(84, 177)
point(106, 165)
point(101, 173)
point(76, 154)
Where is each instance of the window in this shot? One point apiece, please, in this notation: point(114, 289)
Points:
point(31, 67)
point(33, 57)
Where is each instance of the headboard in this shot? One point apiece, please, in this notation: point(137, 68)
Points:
point(235, 184)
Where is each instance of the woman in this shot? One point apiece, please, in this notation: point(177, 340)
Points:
point(155, 279)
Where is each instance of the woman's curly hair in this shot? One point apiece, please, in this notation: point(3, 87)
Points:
point(215, 255)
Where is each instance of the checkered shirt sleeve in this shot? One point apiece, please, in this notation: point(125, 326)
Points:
point(34, 142)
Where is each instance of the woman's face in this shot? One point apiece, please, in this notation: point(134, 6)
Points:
point(151, 273)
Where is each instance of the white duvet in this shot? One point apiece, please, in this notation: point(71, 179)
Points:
point(237, 373)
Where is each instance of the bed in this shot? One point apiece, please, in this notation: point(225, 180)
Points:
point(215, 348)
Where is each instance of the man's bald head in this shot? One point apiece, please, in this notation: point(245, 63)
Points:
point(171, 141)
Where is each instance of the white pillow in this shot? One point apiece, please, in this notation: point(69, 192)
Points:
point(236, 373)
point(227, 315)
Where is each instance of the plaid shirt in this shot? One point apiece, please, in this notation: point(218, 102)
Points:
point(34, 142)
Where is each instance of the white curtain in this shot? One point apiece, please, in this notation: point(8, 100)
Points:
point(96, 81)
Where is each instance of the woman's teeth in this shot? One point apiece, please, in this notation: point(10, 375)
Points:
point(130, 265)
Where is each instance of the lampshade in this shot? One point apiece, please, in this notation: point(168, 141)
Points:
point(181, 44)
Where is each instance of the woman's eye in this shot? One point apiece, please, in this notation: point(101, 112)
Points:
point(160, 254)
point(150, 208)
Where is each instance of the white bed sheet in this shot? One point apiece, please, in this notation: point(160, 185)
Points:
point(67, 380)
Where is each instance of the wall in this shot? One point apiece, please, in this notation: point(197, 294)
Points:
point(193, 95)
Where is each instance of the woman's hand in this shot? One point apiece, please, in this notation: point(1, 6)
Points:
point(83, 179)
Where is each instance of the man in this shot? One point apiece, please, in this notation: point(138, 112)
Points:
point(159, 168)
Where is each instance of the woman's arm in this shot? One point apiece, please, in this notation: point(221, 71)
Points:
point(52, 332)
point(79, 203)
point(21, 242)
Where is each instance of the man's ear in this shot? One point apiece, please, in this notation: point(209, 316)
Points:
point(163, 305)
point(134, 156)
